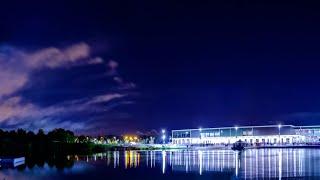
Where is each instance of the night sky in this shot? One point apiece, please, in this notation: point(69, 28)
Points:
point(114, 67)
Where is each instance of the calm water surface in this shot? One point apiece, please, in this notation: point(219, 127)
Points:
point(205, 164)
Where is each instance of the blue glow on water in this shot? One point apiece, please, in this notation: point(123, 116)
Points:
point(250, 164)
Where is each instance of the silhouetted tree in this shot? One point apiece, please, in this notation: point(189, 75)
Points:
point(61, 135)
point(61, 141)
point(82, 139)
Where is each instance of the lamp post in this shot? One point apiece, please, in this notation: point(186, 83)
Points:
point(200, 129)
point(236, 128)
point(163, 131)
point(187, 136)
point(279, 128)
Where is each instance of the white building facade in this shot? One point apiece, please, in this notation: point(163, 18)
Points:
point(264, 135)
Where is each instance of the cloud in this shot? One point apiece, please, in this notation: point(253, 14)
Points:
point(12, 108)
point(113, 71)
point(113, 65)
point(11, 80)
point(96, 60)
point(104, 98)
point(16, 69)
point(15, 112)
point(16, 65)
point(54, 57)
point(122, 84)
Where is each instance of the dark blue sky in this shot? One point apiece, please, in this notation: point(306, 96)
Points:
point(192, 64)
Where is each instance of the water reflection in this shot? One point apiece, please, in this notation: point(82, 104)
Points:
point(253, 163)
point(203, 161)
point(58, 162)
point(132, 159)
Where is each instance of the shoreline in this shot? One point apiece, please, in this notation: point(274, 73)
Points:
point(170, 147)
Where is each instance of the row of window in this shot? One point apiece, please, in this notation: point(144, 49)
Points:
point(251, 141)
point(308, 131)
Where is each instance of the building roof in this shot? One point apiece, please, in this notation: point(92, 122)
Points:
point(241, 127)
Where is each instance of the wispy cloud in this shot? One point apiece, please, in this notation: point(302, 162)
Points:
point(17, 65)
point(11, 80)
point(112, 65)
point(54, 57)
point(16, 69)
point(13, 111)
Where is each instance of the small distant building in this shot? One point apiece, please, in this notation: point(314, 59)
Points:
point(269, 134)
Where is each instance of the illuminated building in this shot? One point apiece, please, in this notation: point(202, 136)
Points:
point(270, 134)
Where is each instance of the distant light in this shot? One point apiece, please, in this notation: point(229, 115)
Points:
point(236, 127)
point(163, 131)
point(200, 129)
point(163, 137)
point(279, 126)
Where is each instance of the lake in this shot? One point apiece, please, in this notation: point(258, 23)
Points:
point(179, 164)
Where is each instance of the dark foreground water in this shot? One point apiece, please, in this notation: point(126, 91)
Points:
point(145, 165)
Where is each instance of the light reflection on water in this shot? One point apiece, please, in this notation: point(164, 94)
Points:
point(252, 163)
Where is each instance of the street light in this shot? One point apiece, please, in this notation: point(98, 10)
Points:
point(236, 128)
point(163, 135)
point(279, 127)
point(200, 129)
point(163, 138)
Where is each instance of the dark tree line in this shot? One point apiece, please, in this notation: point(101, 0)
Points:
point(57, 141)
